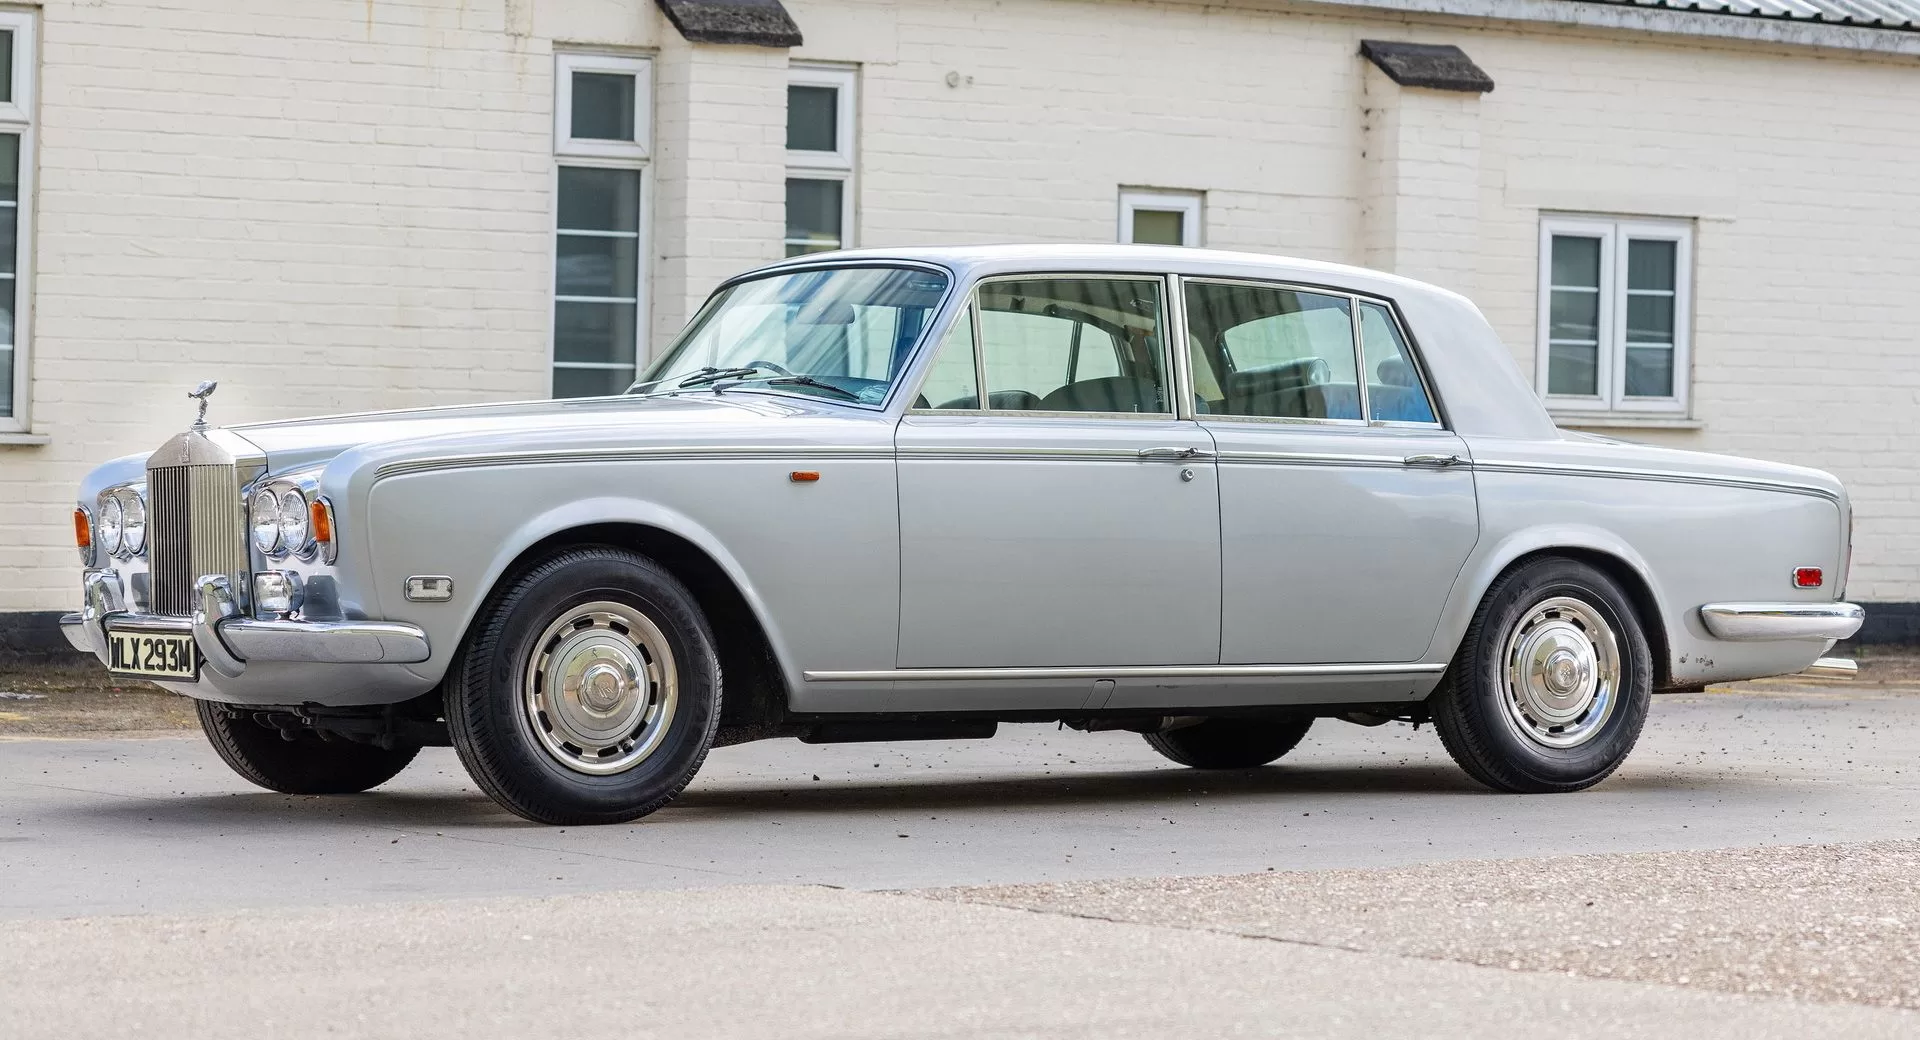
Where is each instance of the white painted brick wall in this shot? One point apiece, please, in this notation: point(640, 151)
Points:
point(340, 206)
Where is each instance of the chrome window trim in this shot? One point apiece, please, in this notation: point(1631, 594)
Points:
point(1176, 337)
point(1354, 299)
point(1210, 671)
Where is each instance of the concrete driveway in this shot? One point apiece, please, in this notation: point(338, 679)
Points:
point(1045, 883)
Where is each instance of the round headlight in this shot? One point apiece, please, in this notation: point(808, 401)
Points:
point(133, 512)
point(293, 520)
point(113, 525)
point(263, 516)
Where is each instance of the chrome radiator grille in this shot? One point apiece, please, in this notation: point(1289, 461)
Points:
point(193, 528)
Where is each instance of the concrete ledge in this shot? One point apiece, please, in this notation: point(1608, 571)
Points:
point(754, 23)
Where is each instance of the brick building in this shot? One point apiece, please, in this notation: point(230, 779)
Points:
point(1695, 227)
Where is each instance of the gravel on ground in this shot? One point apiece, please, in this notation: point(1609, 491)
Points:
point(1827, 923)
point(80, 699)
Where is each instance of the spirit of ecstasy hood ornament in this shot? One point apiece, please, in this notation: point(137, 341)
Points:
point(201, 393)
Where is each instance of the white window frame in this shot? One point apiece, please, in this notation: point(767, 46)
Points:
point(1614, 233)
point(622, 155)
point(16, 117)
point(838, 164)
point(1187, 203)
point(564, 143)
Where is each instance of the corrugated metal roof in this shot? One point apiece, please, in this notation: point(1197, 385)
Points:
point(1870, 14)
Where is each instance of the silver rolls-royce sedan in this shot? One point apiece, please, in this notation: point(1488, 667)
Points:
point(911, 494)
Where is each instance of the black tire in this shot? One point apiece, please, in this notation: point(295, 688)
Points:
point(307, 764)
point(493, 728)
point(1230, 743)
point(1503, 747)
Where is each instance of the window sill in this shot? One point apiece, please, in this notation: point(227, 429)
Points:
point(1624, 421)
point(30, 440)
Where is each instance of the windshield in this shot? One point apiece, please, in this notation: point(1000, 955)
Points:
point(839, 333)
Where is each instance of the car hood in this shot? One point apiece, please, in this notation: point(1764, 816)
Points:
point(682, 418)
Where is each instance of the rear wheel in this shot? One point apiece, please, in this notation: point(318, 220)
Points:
point(1230, 743)
point(1550, 687)
point(309, 763)
point(590, 692)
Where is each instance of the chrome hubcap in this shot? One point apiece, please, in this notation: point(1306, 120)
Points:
point(601, 688)
point(1562, 673)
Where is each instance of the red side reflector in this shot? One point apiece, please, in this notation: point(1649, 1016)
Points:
point(1808, 577)
point(803, 476)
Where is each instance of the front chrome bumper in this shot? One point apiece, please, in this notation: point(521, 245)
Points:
point(1756, 622)
point(228, 641)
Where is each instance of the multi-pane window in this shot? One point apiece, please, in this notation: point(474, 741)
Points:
point(820, 136)
point(1614, 303)
point(600, 148)
point(1167, 218)
point(16, 204)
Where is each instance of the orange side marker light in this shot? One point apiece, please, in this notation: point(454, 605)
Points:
point(804, 476)
point(82, 529)
point(321, 519)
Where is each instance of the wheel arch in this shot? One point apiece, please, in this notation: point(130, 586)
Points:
point(755, 685)
point(1598, 549)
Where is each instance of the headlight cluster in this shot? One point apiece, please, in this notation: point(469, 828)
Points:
point(279, 516)
point(122, 526)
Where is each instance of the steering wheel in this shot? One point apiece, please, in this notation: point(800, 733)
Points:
point(768, 365)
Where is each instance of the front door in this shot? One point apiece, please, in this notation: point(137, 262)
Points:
point(1069, 520)
point(1347, 510)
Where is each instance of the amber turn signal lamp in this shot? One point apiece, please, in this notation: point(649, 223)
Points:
point(320, 516)
point(82, 529)
point(804, 476)
point(1808, 577)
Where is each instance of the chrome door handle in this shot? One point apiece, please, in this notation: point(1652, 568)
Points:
point(1440, 461)
point(1175, 454)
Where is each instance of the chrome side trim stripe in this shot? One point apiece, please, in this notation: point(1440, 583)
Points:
point(1201, 671)
point(1713, 479)
point(1285, 458)
point(662, 453)
point(1755, 622)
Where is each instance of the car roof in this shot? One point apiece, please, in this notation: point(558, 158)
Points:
point(986, 260)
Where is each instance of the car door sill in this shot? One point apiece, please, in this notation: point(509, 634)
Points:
point(1206, 671)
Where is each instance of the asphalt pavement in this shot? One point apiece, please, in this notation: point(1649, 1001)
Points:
point(1044, 883)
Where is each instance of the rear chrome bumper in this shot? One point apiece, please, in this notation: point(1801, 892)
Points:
point(229, 641)
point(1756, 622)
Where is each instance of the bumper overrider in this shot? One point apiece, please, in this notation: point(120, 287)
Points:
point(228, 641)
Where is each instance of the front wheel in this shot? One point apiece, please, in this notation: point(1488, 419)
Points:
point(1550, 687)
point(590, 692)
point(309, 763)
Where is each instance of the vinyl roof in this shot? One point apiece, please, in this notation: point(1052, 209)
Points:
point(1871, 14)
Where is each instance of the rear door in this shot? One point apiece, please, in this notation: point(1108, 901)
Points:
point(1347, 509)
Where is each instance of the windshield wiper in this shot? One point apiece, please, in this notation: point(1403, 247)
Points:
point(714, 375)
point(802, 380)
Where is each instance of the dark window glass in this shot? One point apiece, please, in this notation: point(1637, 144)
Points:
point(813, 215)
point(603, 106)
point(813, 119)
